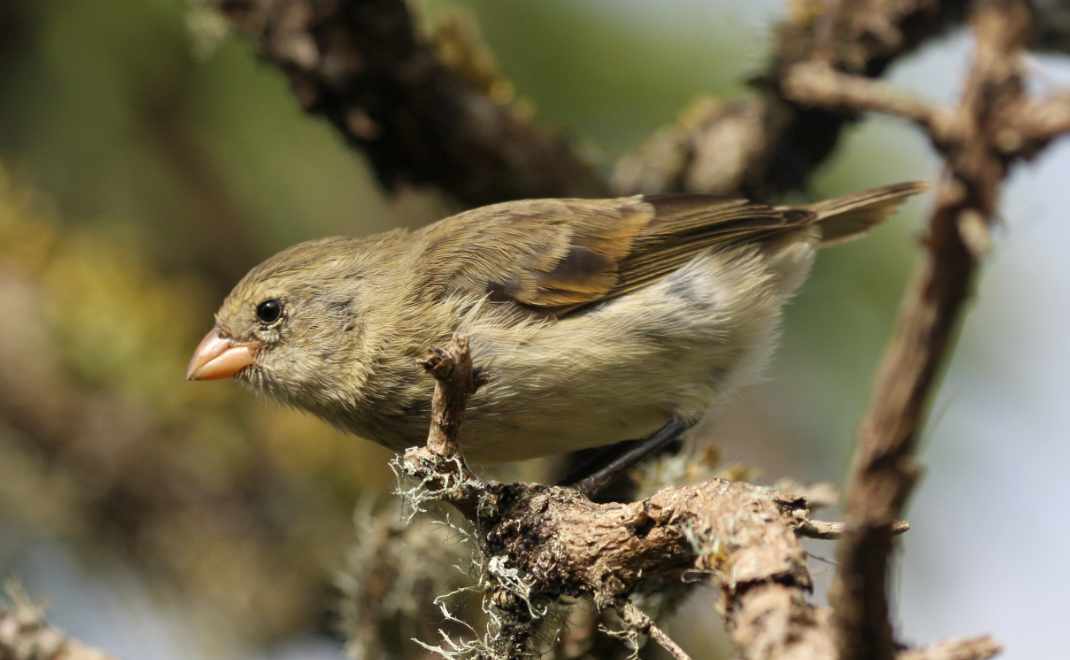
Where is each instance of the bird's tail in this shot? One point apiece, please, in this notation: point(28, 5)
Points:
point(844, 218)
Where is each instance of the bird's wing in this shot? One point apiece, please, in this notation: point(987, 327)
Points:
point(559, 255)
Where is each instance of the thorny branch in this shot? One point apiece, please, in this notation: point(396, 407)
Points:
point(993, 126)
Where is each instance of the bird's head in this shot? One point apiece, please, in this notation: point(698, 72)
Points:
point(288, 328)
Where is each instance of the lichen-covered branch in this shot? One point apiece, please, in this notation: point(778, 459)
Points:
point(546, 542)
point(365, 68)
point(392, 574)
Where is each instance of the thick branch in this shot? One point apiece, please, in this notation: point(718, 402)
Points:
point(563, 544)
point(364, 67)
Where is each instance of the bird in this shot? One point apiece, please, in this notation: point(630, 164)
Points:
point(591, 321)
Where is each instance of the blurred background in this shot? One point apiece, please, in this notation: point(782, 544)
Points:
point(147, 160)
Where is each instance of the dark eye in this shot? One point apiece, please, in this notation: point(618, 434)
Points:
point(269, 311)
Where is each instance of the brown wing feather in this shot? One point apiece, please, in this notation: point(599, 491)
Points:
point(561, 255)
point(685, 225)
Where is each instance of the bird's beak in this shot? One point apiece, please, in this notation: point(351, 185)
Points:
point(219, 357)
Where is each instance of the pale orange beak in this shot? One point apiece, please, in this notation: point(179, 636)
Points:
point(219, 357)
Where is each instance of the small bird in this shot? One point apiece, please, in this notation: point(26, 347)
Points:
point(592, 321)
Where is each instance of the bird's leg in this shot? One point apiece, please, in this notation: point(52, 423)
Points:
point(592, 477)
point(585, 462)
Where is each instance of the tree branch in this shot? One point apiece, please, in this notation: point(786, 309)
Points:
point(546, 542)
point(971, 648)
point(771, 143)
point(364, 67)
point(1030, 125)
point(831, 531)
point(644, 625)
point(455, 381)
point(818, 84)
point(993, 125)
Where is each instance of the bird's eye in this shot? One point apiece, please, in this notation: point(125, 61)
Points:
point(269, 311)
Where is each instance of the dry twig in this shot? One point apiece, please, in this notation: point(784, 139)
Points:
point(455, 381)
point(831, 531)
point(644, 625)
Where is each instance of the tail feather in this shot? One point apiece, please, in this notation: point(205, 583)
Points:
point(844, 218)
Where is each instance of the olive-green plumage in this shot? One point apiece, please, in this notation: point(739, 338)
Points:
point(594, 321)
